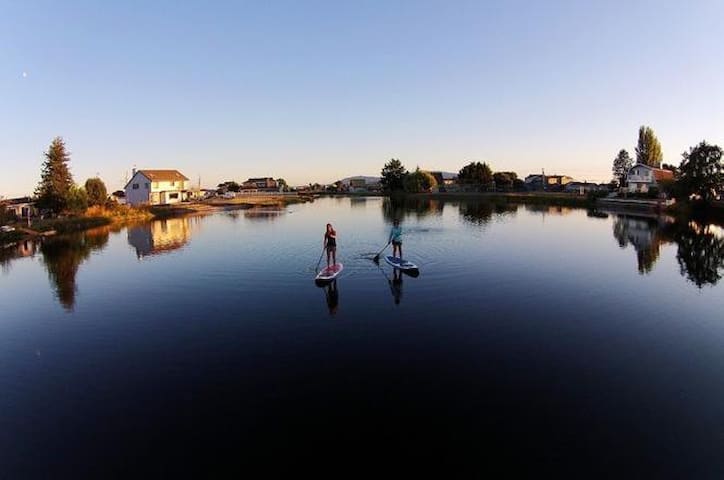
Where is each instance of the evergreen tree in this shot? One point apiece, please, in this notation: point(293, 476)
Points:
point(648, 149)
point(96, 191)
point(55, 180)
point(393, 176)
point(701, 172)
point(621, 165)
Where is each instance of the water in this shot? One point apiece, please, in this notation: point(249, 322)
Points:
point(537, 338)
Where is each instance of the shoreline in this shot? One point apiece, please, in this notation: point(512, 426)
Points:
point(124, 215)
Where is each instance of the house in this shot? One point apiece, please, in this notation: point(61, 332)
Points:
point(159, 237)
point(266, 184)
point(156, 187)
point(583, 188)
point(22, 207)
point(642, 178)
point(538, 181)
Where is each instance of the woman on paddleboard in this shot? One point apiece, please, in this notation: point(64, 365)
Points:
point(396, 239)
point(330, 244)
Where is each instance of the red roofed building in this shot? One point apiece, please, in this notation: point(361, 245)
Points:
point(641, 178)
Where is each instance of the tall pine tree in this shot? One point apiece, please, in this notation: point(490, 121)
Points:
point(55, 180)
point(648, 149)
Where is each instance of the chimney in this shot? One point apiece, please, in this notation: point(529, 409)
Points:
point(134, 171)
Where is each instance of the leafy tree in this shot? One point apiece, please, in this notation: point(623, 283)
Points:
point(505, 180)
point(56, 180)
point(230, 186)
point(701, 172)
point(476, 173)
point(281, 183)
point(419, 181)
point(648, 149)
point(96, 190)
point(621, 165)
point(77, 200)
point(393, 176)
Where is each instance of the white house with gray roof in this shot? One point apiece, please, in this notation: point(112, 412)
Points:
point(156, 187)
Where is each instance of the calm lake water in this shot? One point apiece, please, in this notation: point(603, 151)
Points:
point(540, 338)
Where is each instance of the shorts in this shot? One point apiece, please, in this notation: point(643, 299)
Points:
point(396, 243)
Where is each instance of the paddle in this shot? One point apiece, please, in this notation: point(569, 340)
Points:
point(316, 270)
point(377, 257)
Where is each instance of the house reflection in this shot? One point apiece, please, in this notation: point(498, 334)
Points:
point(549, 209)
point(160, 236)
point(646, 236)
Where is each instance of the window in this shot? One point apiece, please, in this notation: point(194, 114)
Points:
point(135, 186)
point(173, 196)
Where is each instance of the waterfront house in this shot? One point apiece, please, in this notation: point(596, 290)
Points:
point(265, 184)
point(22, 207)
point(642, 178)
point(156, 187)
point(583, 188)
point(554, 183)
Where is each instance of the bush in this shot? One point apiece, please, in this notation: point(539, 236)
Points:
point(77, 200)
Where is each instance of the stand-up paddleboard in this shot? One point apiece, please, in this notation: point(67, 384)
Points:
point(401, 264)
point(329, 273)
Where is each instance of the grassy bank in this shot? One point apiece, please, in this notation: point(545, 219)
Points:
point(536, 198)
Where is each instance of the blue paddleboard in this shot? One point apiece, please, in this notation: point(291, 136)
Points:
point(401, 264)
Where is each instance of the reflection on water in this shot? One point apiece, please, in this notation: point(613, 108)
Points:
point(331, 293)
point(264, 213)
point(63, 255)
point(549, 209)
point(700, 253)
point(403, 207)
point(161, 236)
point(700, 248)
point(645, 234)
point(481, 213)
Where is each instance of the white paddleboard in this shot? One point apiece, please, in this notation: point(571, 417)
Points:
point(330, 273)
point(402, 265)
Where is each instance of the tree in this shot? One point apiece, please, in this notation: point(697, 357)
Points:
point(230, 186)
point(648, 149)
point(476, 173)
point(96, 190)
point(505, 180)
point(701, 172)
point(55, 180)
point(621, 165)
point(76, 200)
point(419, 181)
point(393, 176)
point(281, 183)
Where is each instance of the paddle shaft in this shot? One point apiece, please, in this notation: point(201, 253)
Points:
point(320, 260)
point(377, 257)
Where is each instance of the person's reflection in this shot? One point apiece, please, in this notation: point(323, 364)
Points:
point(396, 285)
point(332, 294)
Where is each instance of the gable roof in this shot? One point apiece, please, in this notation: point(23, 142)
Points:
point(659, 173)
point(159, 176)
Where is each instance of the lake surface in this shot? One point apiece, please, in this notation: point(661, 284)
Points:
point(539, 338)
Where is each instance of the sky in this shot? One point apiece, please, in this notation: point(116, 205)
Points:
point(315, 91)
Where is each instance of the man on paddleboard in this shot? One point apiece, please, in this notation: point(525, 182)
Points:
point(396, 239)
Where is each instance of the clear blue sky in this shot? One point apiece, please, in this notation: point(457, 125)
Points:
point(316, 91)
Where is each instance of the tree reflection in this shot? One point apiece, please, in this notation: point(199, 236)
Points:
point(481, 213)
point(700, 247)
point(63, 255)
point(700, 254)
point(401, 207)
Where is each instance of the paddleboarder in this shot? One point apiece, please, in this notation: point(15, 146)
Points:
point(330, 244)
point(396, 239)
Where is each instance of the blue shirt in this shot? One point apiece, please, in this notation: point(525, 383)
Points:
point(396, 234)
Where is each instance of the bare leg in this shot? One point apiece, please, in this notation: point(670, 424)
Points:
point(399, 247)
point(334, 256)
point(328, 255)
